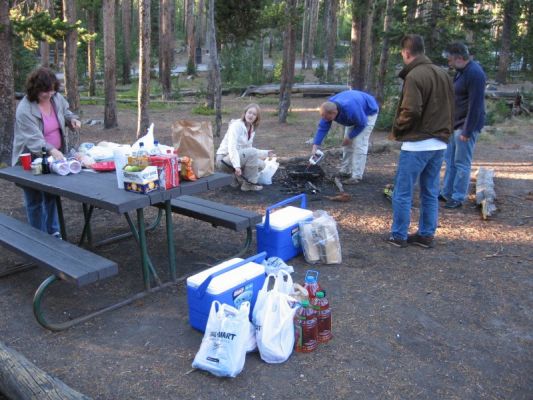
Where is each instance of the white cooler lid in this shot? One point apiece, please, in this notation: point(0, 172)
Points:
point(228, 279)
point(288, 216)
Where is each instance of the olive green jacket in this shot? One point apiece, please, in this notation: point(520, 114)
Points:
point(426, 104)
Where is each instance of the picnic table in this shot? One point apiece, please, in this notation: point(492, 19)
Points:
point(99, 190)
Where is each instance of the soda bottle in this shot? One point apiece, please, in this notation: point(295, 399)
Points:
point(305, 328)
point(311, 283)
point(45, 165)
point(321, 305)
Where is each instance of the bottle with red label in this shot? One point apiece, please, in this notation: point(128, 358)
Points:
point(321, 305)
point(305, 328)
point(311, 283)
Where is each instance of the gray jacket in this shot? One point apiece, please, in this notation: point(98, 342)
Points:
point(29, 126)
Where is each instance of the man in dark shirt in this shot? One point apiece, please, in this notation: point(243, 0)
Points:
point(469, 88)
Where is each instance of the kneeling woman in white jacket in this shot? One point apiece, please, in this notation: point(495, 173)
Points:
point(236, 152)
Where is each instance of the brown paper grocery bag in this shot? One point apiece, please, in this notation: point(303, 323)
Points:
point(195, 140)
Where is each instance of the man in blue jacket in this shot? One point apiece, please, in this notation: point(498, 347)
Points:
point(358, 112)
point(469, 88)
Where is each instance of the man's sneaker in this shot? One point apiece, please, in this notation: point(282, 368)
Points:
point(453, 204)
point(251, 187)
point(442, 198)
point(423, 241)
point(344, 175)
point(351, 181)
point(397, 242)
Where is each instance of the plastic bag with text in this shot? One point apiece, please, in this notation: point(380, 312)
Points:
point(266, 174)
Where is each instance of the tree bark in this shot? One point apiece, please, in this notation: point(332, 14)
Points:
point(384, 56)
point(70, 57)
point(214, 67)
point(191, 45)
point(355, 65)
point(21, 379)
point(305, 32)
point(509, 11)
point(165, 50)
point(110, 106)
point(331, 39)
point(44, 45)
point(7, 87)
point(366, 46)
point(313, 22)
point(126, 37)
point(143, 97)
point(200, 25)
point(91, 50)
point(289, 56)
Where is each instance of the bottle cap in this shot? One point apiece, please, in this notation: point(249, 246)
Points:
point(305, 303)
point(310, 279)
point(156, 142)
point(320, 294)
point(141, 144)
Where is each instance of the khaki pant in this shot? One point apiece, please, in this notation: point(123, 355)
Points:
point(251, 164)
point(354, 156)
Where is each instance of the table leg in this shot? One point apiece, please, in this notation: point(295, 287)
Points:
point(87, 215)
point(144, 249)
point(61, 218)
point(170, 241)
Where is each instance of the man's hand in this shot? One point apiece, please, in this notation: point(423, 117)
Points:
point(346, 141)
point(57, 154)
point(464, 138)
point(314, 149)
point(238, 171)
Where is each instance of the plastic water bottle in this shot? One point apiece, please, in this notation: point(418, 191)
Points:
point(142, 156)
point(321, 305)
point(156, 150)
point(311, 283)
point(305, 328)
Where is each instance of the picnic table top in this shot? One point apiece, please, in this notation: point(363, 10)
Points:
point(100, 189)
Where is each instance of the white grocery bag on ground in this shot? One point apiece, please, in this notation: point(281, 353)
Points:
point(227, 335)
point(320, 239)
point(273, 318)
point(266, 174)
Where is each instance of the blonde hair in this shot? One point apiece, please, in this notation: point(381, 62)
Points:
point(258, 116)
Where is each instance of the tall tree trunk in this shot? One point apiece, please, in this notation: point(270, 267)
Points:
point(366, 46)
point(509, 11)
point(313, 22)
point(110, 107)
point(126, 37)
point(165, 49)
point(331, 39)
point(91, 50)
point(384, 56)
point(355, 66)
point(191, 45)
point(214, 67)
point(270, 43)
point(527, 51)
point(326, 32)
point(289, 57)
point(70, 57)
point(200, 25)
point(143, 97)
point(7, 88)
point(45, 46)
point(412, 8)
point(305, 32)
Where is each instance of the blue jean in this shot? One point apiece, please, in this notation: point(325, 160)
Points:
point(412, 166)
point(41, 210)
point(458, 158)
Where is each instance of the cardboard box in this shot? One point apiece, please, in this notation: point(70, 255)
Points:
point(144, 181)
point(141, 187)
point(167, 169)
point(230, 282)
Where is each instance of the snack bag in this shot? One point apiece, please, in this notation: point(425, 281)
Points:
point(186, 172)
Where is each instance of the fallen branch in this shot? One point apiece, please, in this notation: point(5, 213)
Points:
point(485, 194)
point(296, 88)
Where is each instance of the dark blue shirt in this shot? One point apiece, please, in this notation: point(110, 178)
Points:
point(469, 87)
point(353, 107)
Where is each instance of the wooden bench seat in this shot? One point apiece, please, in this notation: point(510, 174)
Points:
point(217, 214)
point(64, 260)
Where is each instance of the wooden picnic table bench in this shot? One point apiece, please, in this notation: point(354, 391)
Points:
point(218, 214)
point(66, 262)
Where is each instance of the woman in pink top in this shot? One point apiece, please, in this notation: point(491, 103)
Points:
point(41, 119)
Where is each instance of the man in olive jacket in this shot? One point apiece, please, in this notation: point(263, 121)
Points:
point(424, 122)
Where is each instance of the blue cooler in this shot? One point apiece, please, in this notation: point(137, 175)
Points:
point(278, 234)
point(230, 282)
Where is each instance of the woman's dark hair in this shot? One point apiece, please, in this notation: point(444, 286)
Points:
point(39, 81)
point(413, 43)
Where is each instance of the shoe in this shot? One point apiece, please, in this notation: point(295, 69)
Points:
point(351, 181)
point(344, 175)
point(251, 187)
point(453, 204)
point(57, 235)
point(442, 198)
point(423, 241)
point(397, 242)
point(235, 183)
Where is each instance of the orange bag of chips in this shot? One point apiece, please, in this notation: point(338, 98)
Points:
point(186, 172)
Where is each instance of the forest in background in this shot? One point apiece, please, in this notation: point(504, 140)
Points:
point(110, 48)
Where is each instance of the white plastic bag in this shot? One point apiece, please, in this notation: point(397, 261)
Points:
point(274, 264)
point(320, 239)
point(266, 174)
point(273, 318)
point(223, 348)
point(147, 140)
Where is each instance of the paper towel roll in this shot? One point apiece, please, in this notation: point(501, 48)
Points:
point(74, 166)
point(60, 167)
point(120, 156)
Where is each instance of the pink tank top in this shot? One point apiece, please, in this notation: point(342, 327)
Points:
point(52, 134)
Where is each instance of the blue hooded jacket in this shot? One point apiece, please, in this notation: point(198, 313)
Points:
point(354, 107)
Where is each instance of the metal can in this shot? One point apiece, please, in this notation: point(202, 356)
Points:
point(36, 169)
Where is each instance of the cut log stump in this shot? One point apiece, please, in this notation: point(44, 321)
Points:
point(485, 193)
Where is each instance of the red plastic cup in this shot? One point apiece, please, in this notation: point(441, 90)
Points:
point(25, 159)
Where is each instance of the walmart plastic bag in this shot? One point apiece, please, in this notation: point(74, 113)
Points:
point(320, 239)
point(227, 334)
point(266, 174)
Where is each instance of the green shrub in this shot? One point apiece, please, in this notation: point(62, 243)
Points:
point(203, 110)
point(497, 112)
point(387, 113)
point(320, 73)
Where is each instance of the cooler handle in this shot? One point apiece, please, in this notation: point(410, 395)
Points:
point(303, 204)
point(203, 287)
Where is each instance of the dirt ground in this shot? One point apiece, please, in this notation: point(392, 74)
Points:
point(453, 322)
